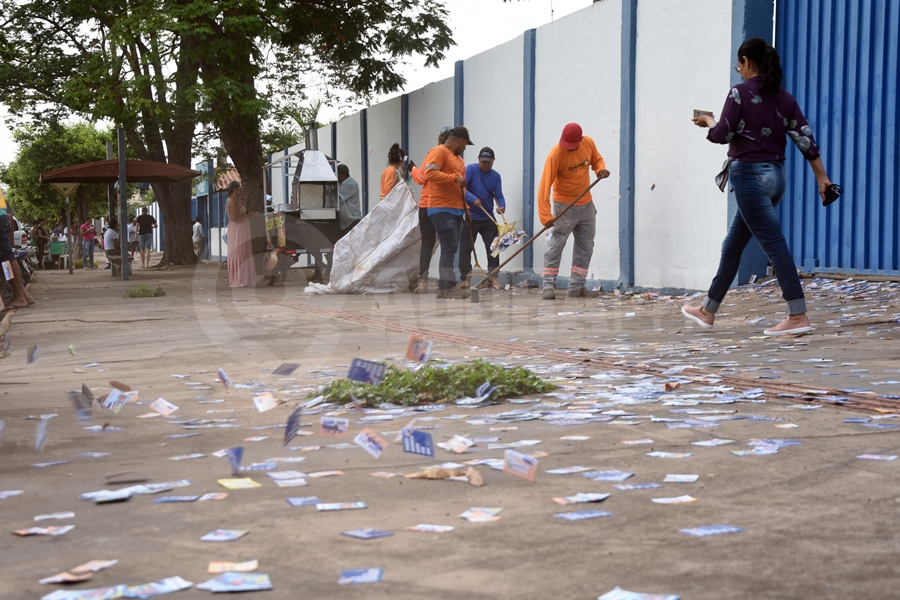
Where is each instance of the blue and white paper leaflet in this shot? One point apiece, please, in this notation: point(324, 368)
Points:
point(366, 371)
point(361, 576)
point(711, 530)
point(293, 425)
point(417, 442)
point(620, 594)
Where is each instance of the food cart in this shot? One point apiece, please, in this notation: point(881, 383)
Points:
point(309, 222)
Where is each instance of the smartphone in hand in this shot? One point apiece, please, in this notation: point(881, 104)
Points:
point(697, 113)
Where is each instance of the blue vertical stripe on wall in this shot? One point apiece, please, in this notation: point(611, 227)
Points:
point(627, 143)
point(334, 140)
point(750, 18)
point(364, 159)
point(459, 95)
point(840, 60)
point(528, 116)
point(404, 122)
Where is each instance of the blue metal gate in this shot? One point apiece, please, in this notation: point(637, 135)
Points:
point(840, 60)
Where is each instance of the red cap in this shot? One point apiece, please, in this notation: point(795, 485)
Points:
point(571, 136)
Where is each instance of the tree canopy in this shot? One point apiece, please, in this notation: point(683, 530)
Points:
point(160, 68)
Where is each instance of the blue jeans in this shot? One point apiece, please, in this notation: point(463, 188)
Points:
point(87, 250)
point(447, 226)
point(758, 187)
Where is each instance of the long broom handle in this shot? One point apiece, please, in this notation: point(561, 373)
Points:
point(537, 235)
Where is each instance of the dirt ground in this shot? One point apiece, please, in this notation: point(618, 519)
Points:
point(818, 522)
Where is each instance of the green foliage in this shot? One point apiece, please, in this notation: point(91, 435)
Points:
point(143, 291)
point(434, 383)
point(48, 148)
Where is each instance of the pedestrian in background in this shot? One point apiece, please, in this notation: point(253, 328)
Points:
point(41, 239)
point(758, 117)
point(348, 199)
point(567, 173)
point(87, 245)
point(146, 225)
point(198, 237)
point(426, 227)
point(241, 269)
point(445, 174)
point(132, 236)
point(483, 187)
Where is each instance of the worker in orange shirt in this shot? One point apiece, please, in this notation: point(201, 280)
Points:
point(393, 173)
point(567, 172)
point(446, 179)
point(426, 227)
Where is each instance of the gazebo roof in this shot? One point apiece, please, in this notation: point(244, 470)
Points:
point(107, 171)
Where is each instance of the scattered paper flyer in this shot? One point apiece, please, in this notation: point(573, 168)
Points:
point(366, 371)
point(637, 486)
point(877, 456)
point(425, 528)
point(329, 506)
point(669, 454)
point(580, 498)
point(711, 530)
point(417, 442)
point(163, 407)
point(644, 441)
point(292, 427)
point(520, 464)
point(715, 442)
point(367, 534)
point(224, 378)
point(32, 354)
point(93, 566)
point(41, 436)
point(225, 535)
point(620, 594)
point(354, 576)
point(457, 444)
point(418, 349)
point(371, 442)
point(674, 478)
point(286, 369)
point(9, 494)
point(234, 458)
point(148, 590)
point(58, 515)
point(317, 474)
point(247, 566)
point(569, 470)
point(265, 402)
point(481, 514)
point(66, 578)
point(583, 514)
point(241, 483)
point(236, 582)
point(575, 438)
point(611, 475)
point(676, 500)
point(107, 593)
point(304, 501)
point(334, 427)
point(213, 496)
point(52, 531)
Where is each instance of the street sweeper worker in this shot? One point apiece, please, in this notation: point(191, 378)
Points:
point(483, 186)
point(567, 173)
point(446, 207)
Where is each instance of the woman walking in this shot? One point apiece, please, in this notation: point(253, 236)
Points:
point(41, 239)
point(241, 269)
point(757, 119)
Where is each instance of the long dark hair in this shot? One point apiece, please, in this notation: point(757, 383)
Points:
point(766, 59)
point(395, 154)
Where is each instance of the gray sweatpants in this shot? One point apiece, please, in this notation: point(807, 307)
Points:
point(582, 222)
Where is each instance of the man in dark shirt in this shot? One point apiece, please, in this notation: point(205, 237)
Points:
point(146, 225)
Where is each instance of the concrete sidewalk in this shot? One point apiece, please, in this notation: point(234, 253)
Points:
point(817, 521)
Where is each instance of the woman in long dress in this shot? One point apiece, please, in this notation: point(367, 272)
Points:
point(241, 269)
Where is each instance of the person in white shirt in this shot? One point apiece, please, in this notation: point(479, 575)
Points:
point(132, 237)
point(198, 238)
point(111, 239)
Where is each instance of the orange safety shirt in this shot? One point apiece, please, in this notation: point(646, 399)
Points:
point(568, 173)
point(441, 168)
point(389, 178)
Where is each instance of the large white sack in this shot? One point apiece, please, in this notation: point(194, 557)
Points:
point(381, 254)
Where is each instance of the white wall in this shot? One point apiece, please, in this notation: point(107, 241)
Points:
point(384, 132)
point(494, 116)
point(578, 80)
point(683, 63)
point(348, 147)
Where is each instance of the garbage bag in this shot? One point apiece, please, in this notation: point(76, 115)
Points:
point(381, 254)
